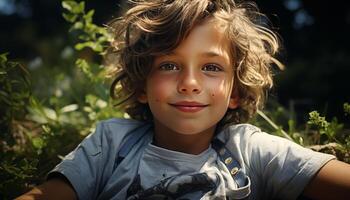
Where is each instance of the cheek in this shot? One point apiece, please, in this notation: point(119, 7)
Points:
point(158, 88)
point(220, 89)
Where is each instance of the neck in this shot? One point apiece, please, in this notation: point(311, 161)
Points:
point(191, 144)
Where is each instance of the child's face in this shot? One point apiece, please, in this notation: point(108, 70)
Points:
point(190, 90)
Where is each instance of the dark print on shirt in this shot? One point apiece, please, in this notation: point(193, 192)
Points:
point(174, 187)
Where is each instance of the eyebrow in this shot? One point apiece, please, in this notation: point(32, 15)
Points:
point(211, 54)
point(206, 54)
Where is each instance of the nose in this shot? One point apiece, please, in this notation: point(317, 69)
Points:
point(189, 82)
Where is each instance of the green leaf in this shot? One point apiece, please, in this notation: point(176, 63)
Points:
point(3, 58)
point(46, 128)
point(84, 37)
point(80, 8)
point(82, 45)
point(91, 99)
point(84, 67)
point(78, 25)
point(4, 94)
point(69, 108)
point(38, 143)
point(97, 47)
point(69, 5)
point(74, 7)
point(82, 64)
point(93, 45)
point(2, 72)
point(70, 17)
point(346, 107)
point(90, 14)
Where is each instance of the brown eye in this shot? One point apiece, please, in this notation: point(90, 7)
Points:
point(212, 68)
point(168, 66)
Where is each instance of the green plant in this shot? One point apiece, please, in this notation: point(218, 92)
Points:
point(332, 136)
point(15, 91)
point(91, 35)
point(98, 105)
point(15, 169)
point(346, 107)
point(317, 133)
point(37, 133)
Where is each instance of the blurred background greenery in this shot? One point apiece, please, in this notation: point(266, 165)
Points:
point(53, 88)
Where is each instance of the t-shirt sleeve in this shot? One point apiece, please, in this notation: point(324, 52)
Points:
point(284, 167)
point(82, 166)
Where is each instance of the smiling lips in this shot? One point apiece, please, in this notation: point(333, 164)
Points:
point(189, 106)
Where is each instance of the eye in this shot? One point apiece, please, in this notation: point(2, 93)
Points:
point(212, 67)
point(168, 66)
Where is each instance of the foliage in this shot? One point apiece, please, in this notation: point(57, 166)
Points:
point(317, 133)
point(93, 36)
point(346, 108)
point(37, 131)
point(14, 95)
point(15, 91)
point(332, 133)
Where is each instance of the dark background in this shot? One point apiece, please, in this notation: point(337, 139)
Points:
point(315, 38)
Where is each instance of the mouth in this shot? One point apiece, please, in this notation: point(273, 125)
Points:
point(189, 106)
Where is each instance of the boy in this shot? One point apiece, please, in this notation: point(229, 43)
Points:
point(191, 73)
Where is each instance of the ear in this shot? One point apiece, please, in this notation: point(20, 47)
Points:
point(142, 98)
point(234, 100)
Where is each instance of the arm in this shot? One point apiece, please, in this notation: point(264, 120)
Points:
point(56, 188)
point(331, 182)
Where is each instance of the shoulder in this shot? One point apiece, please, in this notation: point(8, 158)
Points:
point(239, 133)
point(252, 136)
point(119, 127)
point(242, 130)
point(110, 133)
point(241, 141)
point(94, 158)
point(257, 149)
point(278, 165)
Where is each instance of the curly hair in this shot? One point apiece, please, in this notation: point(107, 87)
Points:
point(155, 27)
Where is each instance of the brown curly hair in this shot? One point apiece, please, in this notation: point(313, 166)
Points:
point(155, 27)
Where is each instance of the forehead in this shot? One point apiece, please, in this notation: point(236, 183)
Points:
point(208, 38)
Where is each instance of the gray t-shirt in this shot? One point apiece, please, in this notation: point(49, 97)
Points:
point(275, 167)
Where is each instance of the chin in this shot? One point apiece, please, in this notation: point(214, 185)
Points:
point(189, 130)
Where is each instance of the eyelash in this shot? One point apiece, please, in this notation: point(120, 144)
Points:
point(173, 66)
point(165, 65)
point(216, 68)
